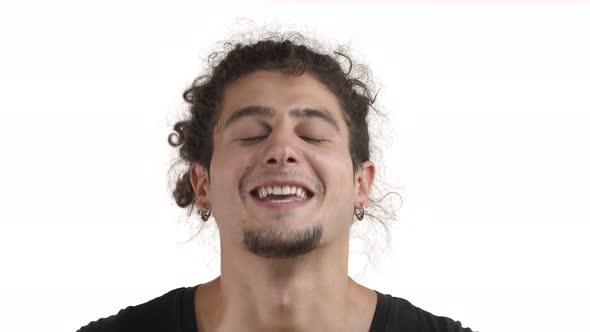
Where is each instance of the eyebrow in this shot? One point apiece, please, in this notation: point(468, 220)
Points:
point(269, 112)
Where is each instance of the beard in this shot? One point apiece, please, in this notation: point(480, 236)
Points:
point(271, 244)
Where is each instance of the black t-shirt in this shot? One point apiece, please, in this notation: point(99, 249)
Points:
point(175, 312)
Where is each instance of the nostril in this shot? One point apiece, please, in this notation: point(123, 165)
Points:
point(275, 161)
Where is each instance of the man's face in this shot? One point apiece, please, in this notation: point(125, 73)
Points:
point(281, 177)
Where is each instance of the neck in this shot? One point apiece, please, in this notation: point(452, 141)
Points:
point(312, 292)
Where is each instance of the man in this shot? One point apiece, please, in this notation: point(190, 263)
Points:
point(278, 148)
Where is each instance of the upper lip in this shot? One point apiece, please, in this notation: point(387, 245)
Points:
point(284, 183)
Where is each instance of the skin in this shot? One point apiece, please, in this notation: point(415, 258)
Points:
point(284, 267)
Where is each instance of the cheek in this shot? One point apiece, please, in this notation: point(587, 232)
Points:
point(338, 202)
point(226, 179)
point(335, 169)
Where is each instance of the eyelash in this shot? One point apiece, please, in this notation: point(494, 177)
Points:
point(257, 138)
point(315, 140)
point(252, 139)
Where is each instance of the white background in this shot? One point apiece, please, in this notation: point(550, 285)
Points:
point(488, 113)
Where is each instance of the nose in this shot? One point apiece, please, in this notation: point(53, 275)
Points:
point(281, 151)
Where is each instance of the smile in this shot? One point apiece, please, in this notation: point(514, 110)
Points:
point(281, 194)
point(281, 191)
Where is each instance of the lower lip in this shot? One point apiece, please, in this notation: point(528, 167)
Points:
point(280, 205)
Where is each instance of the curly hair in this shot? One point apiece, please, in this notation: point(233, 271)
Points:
point(193, 136)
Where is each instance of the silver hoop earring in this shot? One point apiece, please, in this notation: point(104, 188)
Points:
point(359, 213)
point(205, 214)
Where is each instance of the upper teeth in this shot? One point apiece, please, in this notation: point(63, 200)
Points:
point(281, 190)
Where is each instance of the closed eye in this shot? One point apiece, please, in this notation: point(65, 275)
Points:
point(252, 139)
point(314, 140)
point(258, 138)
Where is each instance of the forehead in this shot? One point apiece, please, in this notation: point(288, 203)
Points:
point(280, 91)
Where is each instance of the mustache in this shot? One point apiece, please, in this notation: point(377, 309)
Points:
point(285, 174)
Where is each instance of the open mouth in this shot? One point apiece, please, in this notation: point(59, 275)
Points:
point(281, 194)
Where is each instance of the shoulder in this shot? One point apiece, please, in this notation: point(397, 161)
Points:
point(404, 316)
point(163, 313)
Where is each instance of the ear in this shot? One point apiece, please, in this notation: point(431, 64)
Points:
point(363, 182)
point(200, 183)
